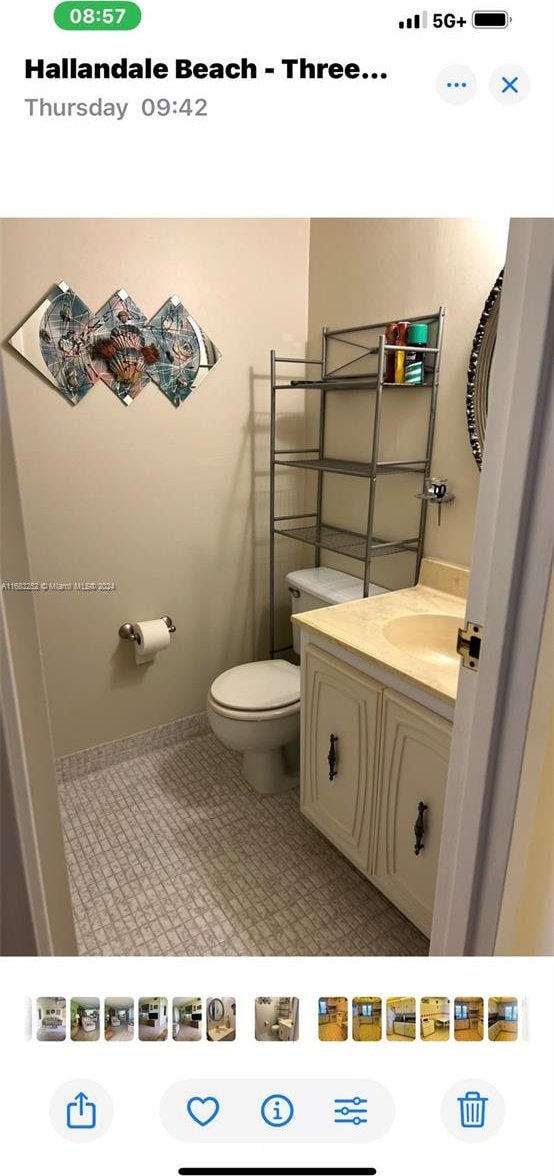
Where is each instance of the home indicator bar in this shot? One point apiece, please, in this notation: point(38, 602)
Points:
point(277, 1171)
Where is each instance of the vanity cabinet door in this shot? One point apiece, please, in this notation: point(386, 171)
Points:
point(340, 701)
point(413, 768)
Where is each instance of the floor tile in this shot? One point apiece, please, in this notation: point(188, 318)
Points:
point(171, 853)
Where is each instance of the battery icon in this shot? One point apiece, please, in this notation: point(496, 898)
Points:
point(488, 18)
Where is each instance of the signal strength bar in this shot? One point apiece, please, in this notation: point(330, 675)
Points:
point(419, 21)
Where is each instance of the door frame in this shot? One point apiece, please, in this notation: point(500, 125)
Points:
point(29, 782)
point(509, 583)
point(18, 783)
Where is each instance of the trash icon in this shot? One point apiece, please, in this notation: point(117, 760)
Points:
point(472, 1109)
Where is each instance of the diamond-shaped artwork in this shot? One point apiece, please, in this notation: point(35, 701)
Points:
point(123, 350)
point(56, 339)
point(186, 354)
point(74, 348)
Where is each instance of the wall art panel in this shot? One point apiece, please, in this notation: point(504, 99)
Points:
point(74, 348)
point(185, 354)
point(123, 347)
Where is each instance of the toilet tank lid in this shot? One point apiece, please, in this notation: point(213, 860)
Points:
point(264, 685)
point(329, 585)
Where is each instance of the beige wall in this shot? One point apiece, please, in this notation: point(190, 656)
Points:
point(526, 924)
point(364, 271)
point(172, 505)
point(165, 502)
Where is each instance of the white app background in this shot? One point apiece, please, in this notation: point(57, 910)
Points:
point(412, 1088)
point(273, 147)
point(276, 147)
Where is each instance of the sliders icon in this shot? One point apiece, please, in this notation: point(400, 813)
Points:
point(351, 1110)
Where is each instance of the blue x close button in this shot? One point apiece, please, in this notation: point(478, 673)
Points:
point(509, 84)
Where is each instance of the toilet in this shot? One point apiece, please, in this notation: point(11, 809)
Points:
point(281, 1032)
point(255, 708)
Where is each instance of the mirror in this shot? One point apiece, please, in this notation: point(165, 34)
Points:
point(215, 1009)
point(478, 375)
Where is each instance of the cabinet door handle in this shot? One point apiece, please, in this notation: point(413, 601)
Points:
point(332, 757)
point(419, 828)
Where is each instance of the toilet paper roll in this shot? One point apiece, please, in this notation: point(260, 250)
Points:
point(151, 637)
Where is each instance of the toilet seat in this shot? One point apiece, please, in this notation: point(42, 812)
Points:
point(257, 689)
point(259, 716)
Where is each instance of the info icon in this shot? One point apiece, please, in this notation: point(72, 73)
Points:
point(277, 1110)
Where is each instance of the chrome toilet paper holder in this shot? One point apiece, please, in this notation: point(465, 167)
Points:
point(127, 631)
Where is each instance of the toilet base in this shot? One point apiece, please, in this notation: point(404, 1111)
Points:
point(271, 772)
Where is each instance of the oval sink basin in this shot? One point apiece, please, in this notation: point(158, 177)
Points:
point(429, 637)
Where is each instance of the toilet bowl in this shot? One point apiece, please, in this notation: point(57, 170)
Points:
point(255, 709)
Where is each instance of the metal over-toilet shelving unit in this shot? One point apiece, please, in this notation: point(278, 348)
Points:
point(311, 528)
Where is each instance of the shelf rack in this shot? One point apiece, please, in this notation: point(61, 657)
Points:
point(309, 527)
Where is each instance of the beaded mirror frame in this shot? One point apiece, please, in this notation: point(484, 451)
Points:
point(479, 370)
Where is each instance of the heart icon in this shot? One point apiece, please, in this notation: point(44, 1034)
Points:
point(203, 1110)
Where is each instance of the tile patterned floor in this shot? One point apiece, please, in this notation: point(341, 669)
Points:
point(171, 853)
point(368, 1033)
point(333, 1032)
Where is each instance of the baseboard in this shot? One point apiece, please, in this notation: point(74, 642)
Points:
point(93, 759)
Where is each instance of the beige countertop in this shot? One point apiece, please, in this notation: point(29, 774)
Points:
point(360, 626)
point(219, 1032)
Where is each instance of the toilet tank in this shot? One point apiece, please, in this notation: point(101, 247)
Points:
point(319, 587)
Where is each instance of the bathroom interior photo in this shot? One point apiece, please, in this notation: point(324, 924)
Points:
point(187, 1018)
point(239, 538)
point(221, 1018)
point(333, 1018)
point(152, 1020)
point(119, 1018)
point(401, 1018)
point(366, 1018)
point(276, 1018)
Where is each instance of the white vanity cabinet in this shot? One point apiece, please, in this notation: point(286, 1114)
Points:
point(415, 747)
point(391, 755)
point(339, 701)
